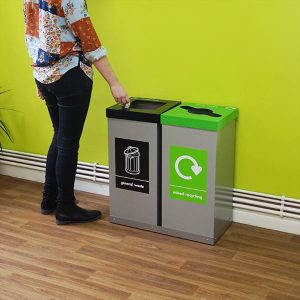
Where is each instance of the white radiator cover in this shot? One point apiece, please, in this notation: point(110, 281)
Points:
point(264, 210)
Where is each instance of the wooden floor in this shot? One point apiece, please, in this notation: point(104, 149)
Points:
point(40, 260)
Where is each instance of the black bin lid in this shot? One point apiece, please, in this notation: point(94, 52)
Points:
point(141, 109)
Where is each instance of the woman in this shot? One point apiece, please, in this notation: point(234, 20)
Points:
point(63, 45)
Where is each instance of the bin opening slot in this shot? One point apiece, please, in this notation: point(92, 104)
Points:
point(148, 105)
point(201, 111)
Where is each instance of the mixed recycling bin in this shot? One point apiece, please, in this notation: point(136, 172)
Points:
point(135, 162)
point(198, 146)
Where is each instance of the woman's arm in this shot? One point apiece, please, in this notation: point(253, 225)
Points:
point(105, 69)
point(80, 23)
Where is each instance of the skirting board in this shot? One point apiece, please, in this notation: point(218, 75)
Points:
point(239, 215)
point(84, 185)
point(267, 221)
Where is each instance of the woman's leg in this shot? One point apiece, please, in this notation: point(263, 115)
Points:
point(72, 114)
point(50, 186)
point(73, 93)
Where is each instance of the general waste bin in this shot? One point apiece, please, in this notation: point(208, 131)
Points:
point(198, 146)
point(135, 162)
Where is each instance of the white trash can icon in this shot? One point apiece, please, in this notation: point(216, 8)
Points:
point(132, 160)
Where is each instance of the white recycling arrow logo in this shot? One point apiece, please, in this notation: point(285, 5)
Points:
point(195, 168)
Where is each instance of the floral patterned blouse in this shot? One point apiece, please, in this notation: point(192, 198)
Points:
point(59, 37)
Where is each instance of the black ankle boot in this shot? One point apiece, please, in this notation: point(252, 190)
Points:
point(49, 203)
point(69, 212)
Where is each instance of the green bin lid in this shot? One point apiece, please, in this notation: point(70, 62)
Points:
point(199, 116)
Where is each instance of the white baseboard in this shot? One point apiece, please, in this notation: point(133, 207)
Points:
point(39, 176)
point(266, 221)
point(243, 216)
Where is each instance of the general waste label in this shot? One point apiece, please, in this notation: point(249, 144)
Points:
point(188, 174)
point(132, 165)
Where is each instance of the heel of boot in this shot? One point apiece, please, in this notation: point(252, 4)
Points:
point(59, 222)
point(47, 211)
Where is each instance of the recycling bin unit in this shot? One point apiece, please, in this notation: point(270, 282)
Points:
point(135, 162)
point(198, 146)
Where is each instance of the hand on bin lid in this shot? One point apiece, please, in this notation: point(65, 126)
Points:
point(127, 105)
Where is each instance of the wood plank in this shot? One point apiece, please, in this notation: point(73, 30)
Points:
point(262, 250)
point(68, 290)
point(257, 279)
point(281, 296)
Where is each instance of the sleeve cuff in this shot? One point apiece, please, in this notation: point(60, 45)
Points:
point(96, 54)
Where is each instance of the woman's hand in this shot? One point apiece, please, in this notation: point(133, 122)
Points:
point(39, 94)
point(119, 93)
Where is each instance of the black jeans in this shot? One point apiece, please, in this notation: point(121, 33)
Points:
point(67, 100)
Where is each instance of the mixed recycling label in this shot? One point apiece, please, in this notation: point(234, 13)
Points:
point(188, 174)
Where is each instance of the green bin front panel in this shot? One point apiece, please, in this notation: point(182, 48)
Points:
point(197, 181)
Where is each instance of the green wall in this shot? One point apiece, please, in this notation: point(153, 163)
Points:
point(243, 53)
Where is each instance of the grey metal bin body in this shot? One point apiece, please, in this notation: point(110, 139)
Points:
point(135, 162)
point(213, 152)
